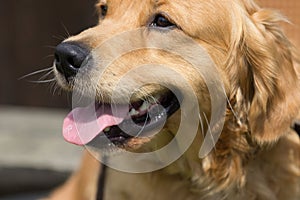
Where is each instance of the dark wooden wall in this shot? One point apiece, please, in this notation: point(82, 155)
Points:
point(29, 31)
point(29, 27)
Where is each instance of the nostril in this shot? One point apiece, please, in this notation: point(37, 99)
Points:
point(76, 61)
point(71, 62)
point(69, 58)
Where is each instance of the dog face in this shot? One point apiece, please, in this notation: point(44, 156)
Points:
point(253, 58)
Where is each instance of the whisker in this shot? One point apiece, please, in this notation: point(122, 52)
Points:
point(155, 101)
point(53, 88)
point(60, 38)
point(210, 132)
point(45, 75)
point(66, 30)
point(57, 88)
point(44, 81)
point(230, 106)
point(49, 56)
point(201, 125)
point(143, 127)
point(36, 72)
point(50, 46)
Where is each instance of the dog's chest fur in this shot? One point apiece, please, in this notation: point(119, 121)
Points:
point(259, 183)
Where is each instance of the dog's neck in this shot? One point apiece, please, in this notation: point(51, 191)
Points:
point(223, 167)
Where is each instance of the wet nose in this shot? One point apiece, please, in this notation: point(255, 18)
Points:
point(69, 58)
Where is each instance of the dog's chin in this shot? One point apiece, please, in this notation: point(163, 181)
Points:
point(145, 119)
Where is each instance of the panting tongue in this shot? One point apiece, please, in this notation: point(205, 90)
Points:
point(82, 125)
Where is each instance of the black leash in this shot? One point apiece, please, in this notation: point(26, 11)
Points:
point(101, 181)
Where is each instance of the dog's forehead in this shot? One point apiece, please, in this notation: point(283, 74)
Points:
point(156, 3)
point(189, 7)
point(152, 1)
point(208, 20)
point(119, 2)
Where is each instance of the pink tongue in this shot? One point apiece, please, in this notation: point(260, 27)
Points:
point(82, 125)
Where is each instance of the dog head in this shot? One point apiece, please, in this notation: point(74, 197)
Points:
point(253, 59)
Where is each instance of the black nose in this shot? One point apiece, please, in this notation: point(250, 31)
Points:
point(69, 58)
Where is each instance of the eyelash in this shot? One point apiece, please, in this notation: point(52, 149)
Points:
point(159, 20)
point(162, 22)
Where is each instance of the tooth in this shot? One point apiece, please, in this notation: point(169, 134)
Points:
point(133, 112)
point(145, 106)
point(107, 129)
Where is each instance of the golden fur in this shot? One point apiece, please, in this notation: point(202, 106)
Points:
point(258, 154)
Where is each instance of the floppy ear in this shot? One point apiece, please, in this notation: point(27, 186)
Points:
point(273, 89)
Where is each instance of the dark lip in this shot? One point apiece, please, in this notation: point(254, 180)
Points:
point(141, 126)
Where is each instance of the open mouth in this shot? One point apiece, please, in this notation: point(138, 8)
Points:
point(145, 117)
point(120, 123)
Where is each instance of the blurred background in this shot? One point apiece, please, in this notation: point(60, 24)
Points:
point(33, 156)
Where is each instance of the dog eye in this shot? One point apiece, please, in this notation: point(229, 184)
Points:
point(161, 21)
point(103, 10)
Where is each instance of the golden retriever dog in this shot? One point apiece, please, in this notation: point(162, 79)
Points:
point(251, 151)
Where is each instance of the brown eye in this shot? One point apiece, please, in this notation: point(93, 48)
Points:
point(161, 21)
point(103, 10)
